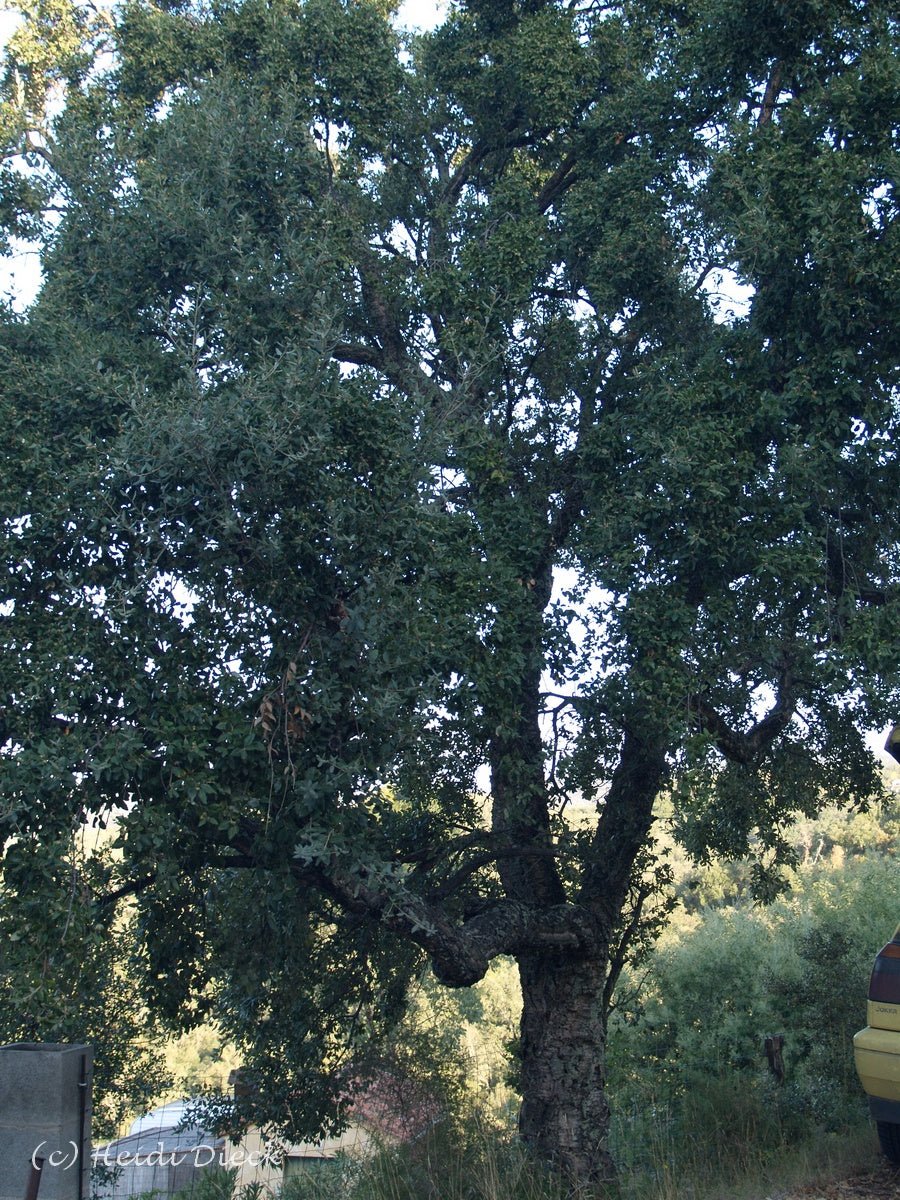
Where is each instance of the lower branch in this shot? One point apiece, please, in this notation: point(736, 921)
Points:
point(460, 953)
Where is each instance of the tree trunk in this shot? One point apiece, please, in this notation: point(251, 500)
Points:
point(565, 1114)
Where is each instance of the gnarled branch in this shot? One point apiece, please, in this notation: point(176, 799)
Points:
point(747, 748)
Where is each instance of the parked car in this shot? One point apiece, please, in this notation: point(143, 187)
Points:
point(877, 1048)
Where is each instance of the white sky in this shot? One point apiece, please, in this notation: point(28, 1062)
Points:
point(421, 14)
point(7, 24)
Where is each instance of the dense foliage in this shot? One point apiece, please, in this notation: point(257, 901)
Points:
point(698, 1109)
point(720, 984)
point(66, 975)
point(377, 439)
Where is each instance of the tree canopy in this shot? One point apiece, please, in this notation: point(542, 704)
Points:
point(413, 437)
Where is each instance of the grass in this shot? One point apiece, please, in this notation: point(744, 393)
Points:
point(731, 1140)
point(819, 1158)
point(725, 1141)
point(495, 1168)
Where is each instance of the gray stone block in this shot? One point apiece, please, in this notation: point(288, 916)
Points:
point(45, 1111)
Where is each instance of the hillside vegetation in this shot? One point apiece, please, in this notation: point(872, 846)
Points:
point(697, 1111)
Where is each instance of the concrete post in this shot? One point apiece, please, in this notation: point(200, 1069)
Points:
point(45, 1112)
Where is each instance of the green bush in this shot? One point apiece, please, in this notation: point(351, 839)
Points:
point(721, 983)
point(217, 1183)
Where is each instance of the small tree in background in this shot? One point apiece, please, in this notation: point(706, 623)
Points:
point(66, 976)
point(379, 430)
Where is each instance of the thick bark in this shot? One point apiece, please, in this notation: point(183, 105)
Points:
point(565, 1114)
point(521, 810)
point(623, 827)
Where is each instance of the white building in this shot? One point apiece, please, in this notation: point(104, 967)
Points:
point(161, 1152)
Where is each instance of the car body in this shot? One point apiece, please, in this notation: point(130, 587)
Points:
point(876, 1048)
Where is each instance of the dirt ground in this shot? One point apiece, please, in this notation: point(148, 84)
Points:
point(883, 1183)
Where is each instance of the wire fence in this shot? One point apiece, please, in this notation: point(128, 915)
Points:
point(167, 1154)
point(176, 1150)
